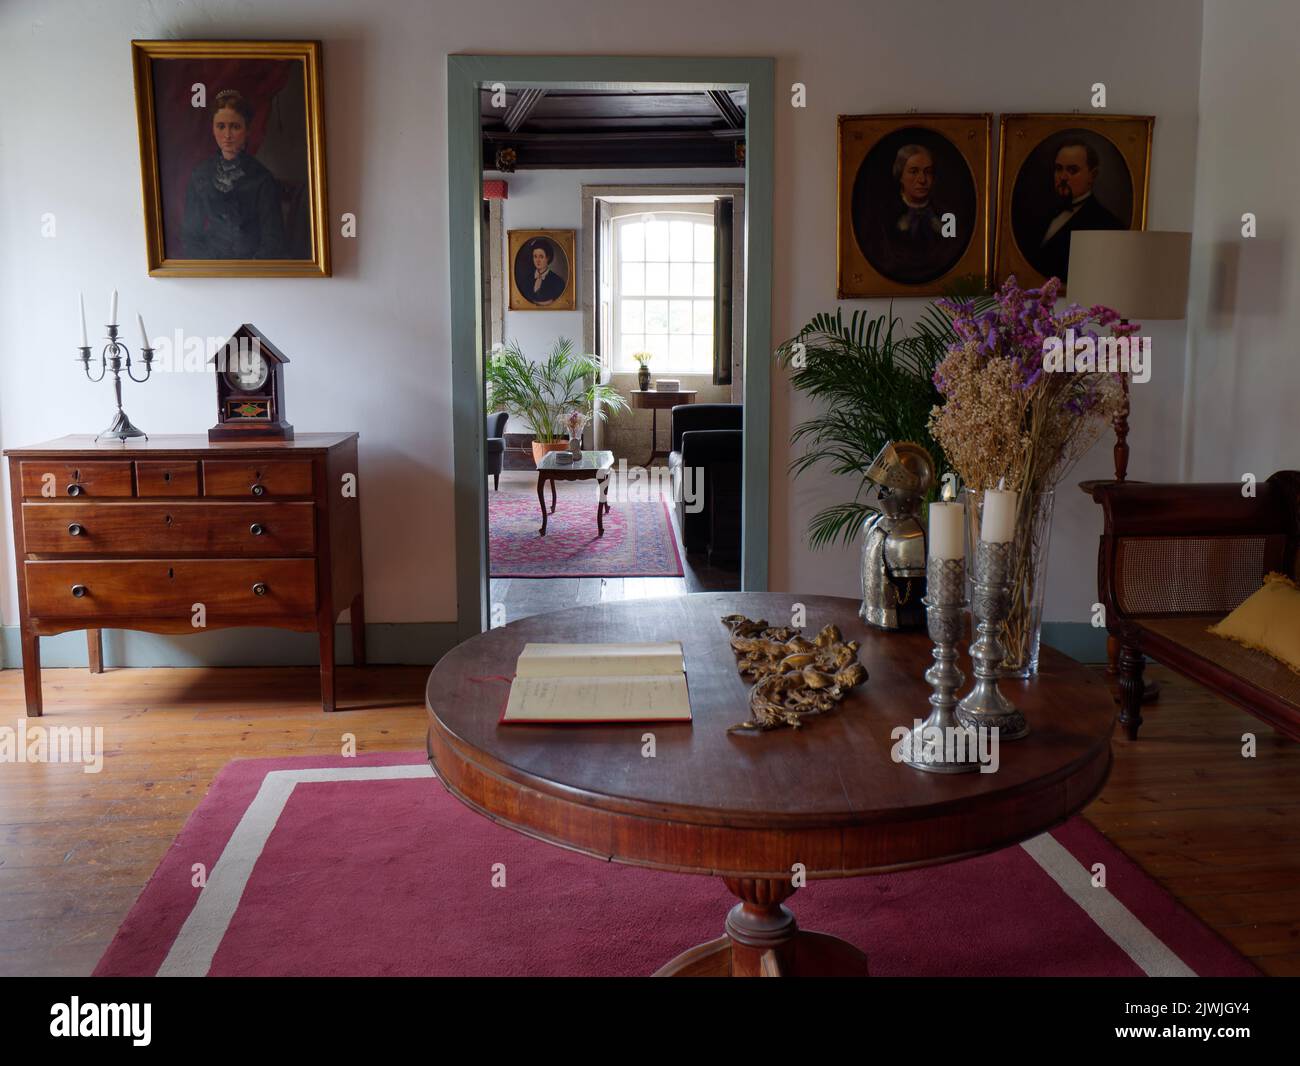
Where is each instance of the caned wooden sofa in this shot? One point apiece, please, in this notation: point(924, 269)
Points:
point(1174, 559)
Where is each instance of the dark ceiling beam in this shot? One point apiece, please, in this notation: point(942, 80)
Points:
point(523, 106)
point(570, 152)
point(558, 136)
point(731, 114)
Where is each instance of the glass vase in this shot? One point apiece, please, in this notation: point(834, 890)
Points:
point(1023, 631)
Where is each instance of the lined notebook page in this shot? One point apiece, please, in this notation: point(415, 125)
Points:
point(599, 682)
point(598, 699)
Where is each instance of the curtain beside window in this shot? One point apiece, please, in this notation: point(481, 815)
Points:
point(722, 220)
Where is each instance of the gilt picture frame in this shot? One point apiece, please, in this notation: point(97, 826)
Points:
point(912, 204)
point(232, 158)
point(542, 269)
point(1058, 174)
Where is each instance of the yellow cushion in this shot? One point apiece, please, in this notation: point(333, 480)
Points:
point(1269, 621)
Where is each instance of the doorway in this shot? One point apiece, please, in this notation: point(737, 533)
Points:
point(523, 81)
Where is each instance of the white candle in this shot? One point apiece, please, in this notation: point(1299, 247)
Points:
point(81, 304)
point(112, 309)
point(947, 531)
point(999, 522)
point(144, 333)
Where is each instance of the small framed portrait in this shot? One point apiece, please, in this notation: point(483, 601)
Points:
point(1062, 173)
point(913, 204)
point(232, 158)
point(543, 270)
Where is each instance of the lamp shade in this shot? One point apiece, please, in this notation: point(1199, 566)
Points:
point(1141, 274)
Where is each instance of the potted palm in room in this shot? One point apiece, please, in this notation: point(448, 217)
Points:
point(542, 393)
point(873, 383)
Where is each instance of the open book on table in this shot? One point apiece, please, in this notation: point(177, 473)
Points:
point(599, 683)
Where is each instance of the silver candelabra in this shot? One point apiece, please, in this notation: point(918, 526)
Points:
point(112, 359)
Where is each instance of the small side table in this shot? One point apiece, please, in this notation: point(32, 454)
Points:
point(593, 466)
point(656, 401)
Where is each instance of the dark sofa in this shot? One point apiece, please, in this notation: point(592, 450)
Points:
point(708, 437)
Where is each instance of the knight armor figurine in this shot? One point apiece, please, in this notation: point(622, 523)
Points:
point(893, 538)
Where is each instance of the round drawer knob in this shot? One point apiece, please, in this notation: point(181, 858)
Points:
point(257, 529)
point(259, 490)
point(75, 490)
point(76, 529)
point(79, 590)
point(259, 589)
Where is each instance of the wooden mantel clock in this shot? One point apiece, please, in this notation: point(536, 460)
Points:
point(250, 389)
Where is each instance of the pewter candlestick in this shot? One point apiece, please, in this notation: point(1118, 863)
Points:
point(927, 747)
point(111, 359)
point(985, 707)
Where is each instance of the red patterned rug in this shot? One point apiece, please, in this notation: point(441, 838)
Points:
point(322, 866)
point(638, 540)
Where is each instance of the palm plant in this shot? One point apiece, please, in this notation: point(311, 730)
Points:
point(541, 394)
point(875, 386)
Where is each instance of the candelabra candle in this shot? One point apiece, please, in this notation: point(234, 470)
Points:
point(113, 358)
point(940, 744)
point(985, 707)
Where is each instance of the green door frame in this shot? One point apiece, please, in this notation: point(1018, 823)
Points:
point(465, 75)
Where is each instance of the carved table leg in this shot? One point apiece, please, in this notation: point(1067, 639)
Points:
point(764, 940)
point(541, 499)
point(1131, 663)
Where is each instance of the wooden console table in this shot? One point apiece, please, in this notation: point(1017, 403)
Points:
point(164, 534)
point(657, 401)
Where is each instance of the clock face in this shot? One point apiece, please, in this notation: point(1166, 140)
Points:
point(249, 373)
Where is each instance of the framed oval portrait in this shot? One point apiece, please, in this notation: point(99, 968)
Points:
point(543, 270)
point(913, 203)
point(1058, 174)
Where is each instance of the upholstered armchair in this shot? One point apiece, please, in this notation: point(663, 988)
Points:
point(496, 445)
point(708, 438)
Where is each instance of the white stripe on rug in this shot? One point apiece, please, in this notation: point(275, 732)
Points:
point(1148, 952)
point(193, 949)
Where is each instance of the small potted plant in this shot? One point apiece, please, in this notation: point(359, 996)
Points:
point(541, 393)
point(643, 374)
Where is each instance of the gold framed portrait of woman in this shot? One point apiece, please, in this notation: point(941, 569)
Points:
point(232, 158)
point(913, 204)
point(1058, 174)
point(543, 270)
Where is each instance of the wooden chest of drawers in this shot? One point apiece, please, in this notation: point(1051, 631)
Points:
point(178, 535)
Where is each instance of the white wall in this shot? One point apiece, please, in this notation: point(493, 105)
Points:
point(370, 346)
point(1243, 357)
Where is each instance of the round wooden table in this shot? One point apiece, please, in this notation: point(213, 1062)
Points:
point(755, 809)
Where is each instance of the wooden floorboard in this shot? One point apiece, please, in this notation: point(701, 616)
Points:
point(1219, 831)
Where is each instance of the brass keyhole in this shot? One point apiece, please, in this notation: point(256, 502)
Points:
point(167, 520)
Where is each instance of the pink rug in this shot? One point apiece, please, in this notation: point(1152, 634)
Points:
point(638, 540)
point(365, 866)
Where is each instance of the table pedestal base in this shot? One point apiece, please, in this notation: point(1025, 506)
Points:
point(763, 940)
